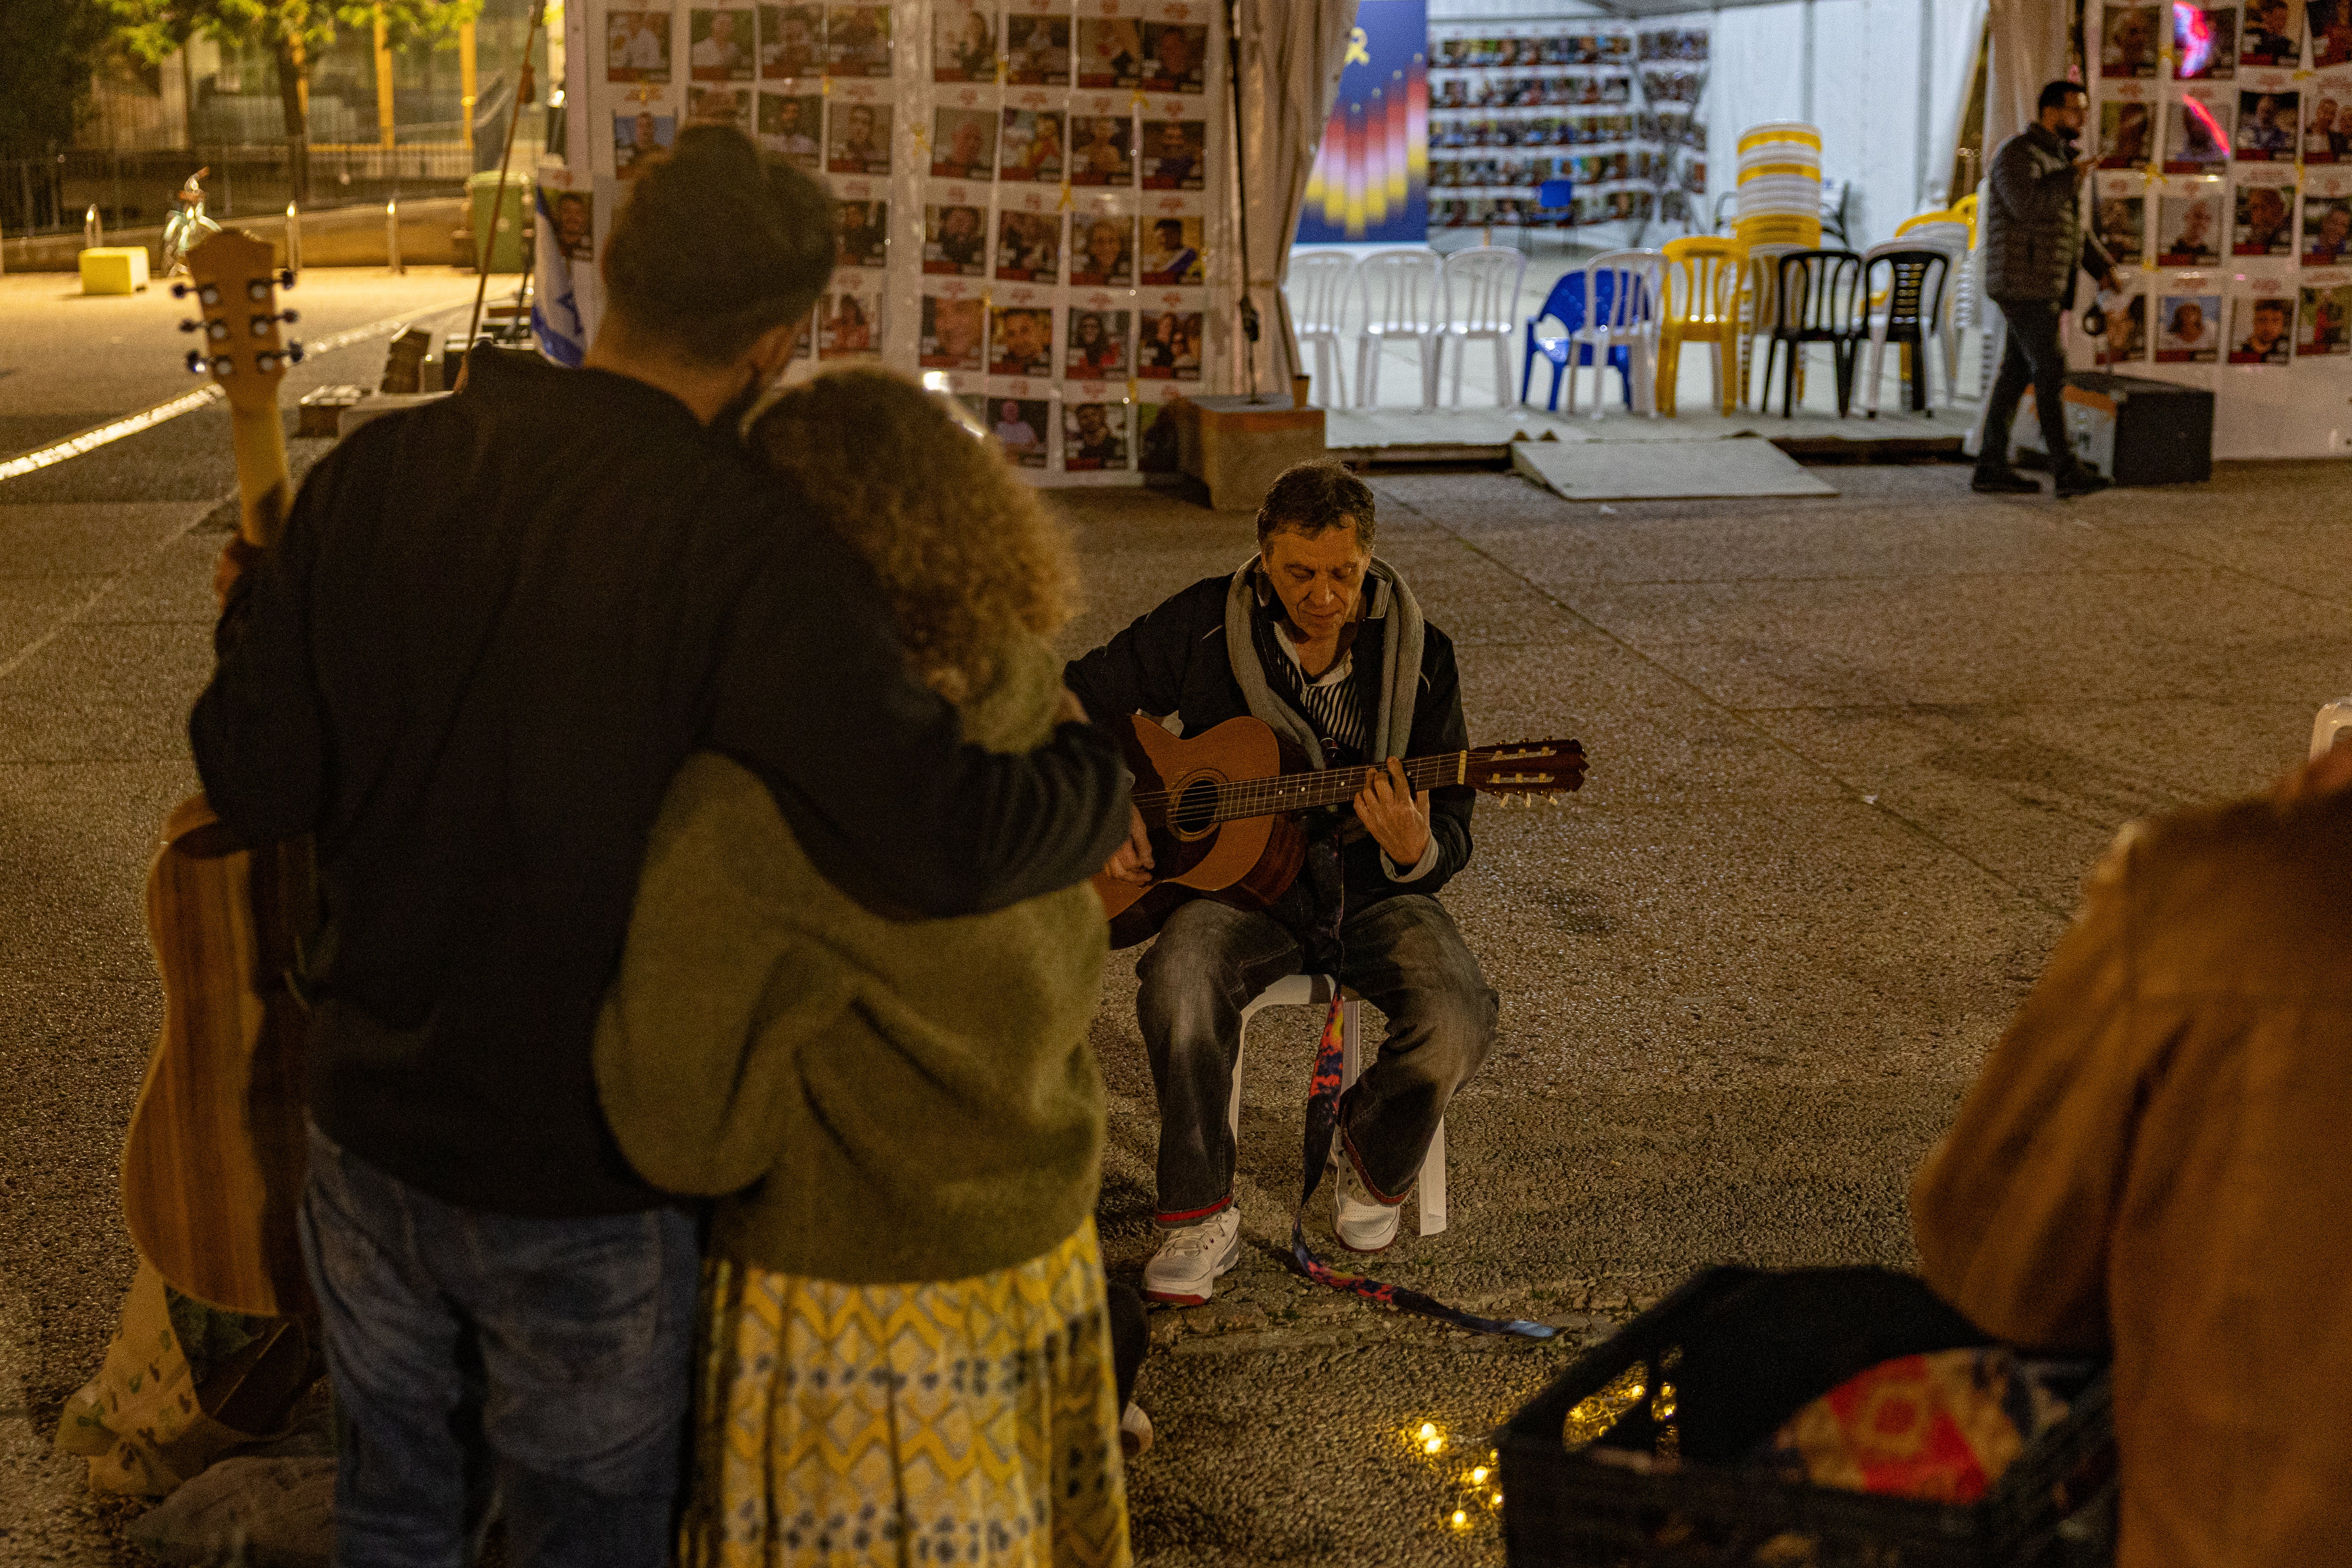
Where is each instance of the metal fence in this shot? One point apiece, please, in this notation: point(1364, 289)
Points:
point(134, 190)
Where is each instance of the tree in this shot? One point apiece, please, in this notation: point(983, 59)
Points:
point(291, 30)
point(45, 71)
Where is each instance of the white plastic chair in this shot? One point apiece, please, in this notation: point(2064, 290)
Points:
point(1399, 289)
point(1478, 290)
point(1760, 294)
point(1636, 281)
point(1940, 330)
point(1318, 288)
point(1316, 991)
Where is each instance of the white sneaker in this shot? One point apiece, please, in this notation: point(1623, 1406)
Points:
point(1184, 1272)
point(1360, 1221)
point(1134, 1431)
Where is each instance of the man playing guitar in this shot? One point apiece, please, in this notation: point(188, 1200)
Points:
point(1328, 646)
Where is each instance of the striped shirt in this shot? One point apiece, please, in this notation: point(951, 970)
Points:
point(1332, 702)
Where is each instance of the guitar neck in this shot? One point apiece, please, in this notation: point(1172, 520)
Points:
point(265, 490)
point(1331, 786)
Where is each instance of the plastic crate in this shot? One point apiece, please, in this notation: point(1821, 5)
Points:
point(2052, 1508)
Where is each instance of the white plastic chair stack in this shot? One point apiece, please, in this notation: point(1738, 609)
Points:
point(1635, 280)
point(1318, 289)
point(1479, 298)
point(1316, 991)
point(1780, 184)
point(1399, 289)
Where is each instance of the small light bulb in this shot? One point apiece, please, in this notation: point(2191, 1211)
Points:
point(1428, 1430)
point(1433, 1444)
point(1478, 1476)
point(935, 381)
point(1461, 1520)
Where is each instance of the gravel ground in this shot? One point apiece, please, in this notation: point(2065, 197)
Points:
point(1850, 757)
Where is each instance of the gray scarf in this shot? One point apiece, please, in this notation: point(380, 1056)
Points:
point(1391, 601)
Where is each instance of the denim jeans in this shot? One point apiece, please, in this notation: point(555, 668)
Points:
point(2034, 355)
point(1401, 954)
point(542, 1361)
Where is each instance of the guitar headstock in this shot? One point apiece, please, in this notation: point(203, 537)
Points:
point(235, 285)
point(1527, 771)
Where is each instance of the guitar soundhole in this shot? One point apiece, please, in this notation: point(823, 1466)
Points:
point(1196, 808)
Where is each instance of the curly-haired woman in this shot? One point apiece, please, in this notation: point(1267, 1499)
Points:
point(907, 1354)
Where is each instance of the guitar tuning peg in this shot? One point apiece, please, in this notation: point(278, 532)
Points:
point(289, 317)
point(188, 324)
point(294, 352)
point(286, 279)
point(179, 291)
point(196, 361)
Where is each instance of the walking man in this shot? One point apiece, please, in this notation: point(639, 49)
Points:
point(494, 628)
point(2033, 242)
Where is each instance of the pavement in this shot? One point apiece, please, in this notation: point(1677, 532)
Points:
point(1851, 757)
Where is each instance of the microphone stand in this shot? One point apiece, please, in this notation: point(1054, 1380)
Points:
point(1250, 324)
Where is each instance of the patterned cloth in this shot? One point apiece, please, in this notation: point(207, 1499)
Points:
point(964, 1421)
point(1941, 1427)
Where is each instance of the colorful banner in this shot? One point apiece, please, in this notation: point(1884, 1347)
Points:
point(1370, 181)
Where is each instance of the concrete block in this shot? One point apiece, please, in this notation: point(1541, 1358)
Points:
point(114, 270)
point(1236, 447)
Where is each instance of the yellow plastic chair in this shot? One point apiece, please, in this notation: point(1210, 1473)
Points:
point(1966, 210)
point(1701, 305)
point(1941, 214)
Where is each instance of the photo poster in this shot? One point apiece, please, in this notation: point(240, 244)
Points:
point(1006, 173)
point(1370, 179)
point(2223, 137)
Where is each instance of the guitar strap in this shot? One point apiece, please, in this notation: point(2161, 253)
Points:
point(1322, 1120)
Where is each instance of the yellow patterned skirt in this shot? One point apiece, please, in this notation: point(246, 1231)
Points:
point(961, 1421)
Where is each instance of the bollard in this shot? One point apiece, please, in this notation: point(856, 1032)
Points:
point(93, 233)
point(293, 238)
point(392, 236)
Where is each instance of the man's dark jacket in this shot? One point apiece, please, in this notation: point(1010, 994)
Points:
point(1174, 660)
point(495, 627)
point(2034, 223)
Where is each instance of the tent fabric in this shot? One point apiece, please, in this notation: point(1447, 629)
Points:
point(2029, 48)
point(1292, 54)
point(1865, 95)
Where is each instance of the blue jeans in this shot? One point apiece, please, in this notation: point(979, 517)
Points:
point(541, 1362)
point(1403, 955)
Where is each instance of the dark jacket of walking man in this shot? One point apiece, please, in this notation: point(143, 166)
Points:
point(2033, 242)
point(495, 627)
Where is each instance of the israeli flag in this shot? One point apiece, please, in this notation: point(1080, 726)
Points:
point(555, 323)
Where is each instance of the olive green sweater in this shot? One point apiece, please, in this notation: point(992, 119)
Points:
point(875, 1101)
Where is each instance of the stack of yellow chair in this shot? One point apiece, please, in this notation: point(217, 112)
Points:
point(1781, 184)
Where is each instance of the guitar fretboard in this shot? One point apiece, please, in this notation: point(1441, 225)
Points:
point(1302, 792)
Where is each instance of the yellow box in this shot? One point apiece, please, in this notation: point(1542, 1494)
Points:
point(114, 270)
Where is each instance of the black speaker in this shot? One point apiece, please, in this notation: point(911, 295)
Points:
point(2135, 430)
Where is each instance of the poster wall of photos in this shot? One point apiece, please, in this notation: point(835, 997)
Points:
point(1033, 196)
point(2223, 135)
point(1615, 109)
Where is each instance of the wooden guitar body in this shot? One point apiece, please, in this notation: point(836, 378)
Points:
point(1250, 861)
point(215, 1161)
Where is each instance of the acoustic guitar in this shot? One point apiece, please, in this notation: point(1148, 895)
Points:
point(1222, 809)
point(214, 1164)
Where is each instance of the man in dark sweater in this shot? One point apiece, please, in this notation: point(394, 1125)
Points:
point(2034, 243)
point(495, 627)
point(1327, 645)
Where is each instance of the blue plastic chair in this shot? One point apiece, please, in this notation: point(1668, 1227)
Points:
point(1565, 305)
point(1556, 196)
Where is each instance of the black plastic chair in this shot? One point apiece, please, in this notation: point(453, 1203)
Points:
point(1915, 293)
point(1821, 302)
